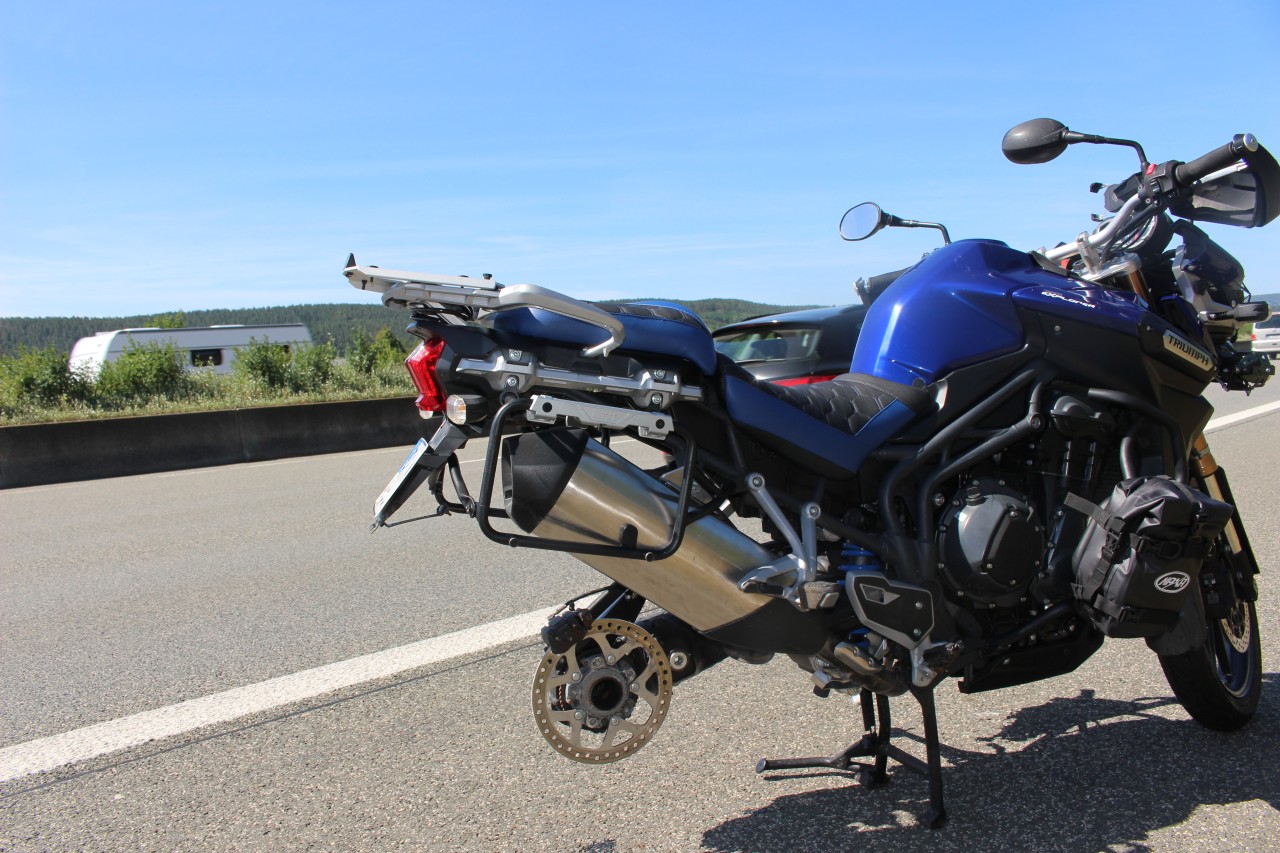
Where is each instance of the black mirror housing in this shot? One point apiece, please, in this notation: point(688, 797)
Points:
point(1036, 141)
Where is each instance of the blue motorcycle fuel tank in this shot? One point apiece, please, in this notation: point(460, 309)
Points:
point(960, 306)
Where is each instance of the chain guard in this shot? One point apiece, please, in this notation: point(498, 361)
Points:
point(604, 698)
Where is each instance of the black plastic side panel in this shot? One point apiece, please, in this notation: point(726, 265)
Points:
point(1094, 355)
point(1139, 364)
point(962, 389)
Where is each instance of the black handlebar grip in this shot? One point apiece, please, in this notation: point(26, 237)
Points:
point(1219, 158)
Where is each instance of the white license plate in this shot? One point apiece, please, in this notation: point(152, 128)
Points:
point(398, 480)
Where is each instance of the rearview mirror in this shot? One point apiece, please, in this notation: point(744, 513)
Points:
point(1036, 141)
point(860, 222)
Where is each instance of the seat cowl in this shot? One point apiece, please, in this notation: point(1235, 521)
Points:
point(662, 328)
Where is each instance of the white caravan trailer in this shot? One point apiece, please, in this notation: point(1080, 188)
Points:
point(201, 348)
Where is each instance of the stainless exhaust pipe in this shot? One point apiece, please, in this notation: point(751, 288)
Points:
point(562, 484)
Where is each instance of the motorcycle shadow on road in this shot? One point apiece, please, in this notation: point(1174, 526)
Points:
point(1072, 773)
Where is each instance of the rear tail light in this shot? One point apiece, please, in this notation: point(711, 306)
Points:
point(421, 365)
point(807, 380)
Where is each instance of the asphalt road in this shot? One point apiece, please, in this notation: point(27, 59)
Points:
point(122, 596)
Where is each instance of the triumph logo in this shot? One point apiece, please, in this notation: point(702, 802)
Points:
point(1188, 351)
point(1173, 582)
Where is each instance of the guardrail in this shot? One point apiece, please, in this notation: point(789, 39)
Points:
point(37, 454)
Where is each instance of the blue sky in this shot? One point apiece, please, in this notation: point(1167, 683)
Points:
point(167, 156)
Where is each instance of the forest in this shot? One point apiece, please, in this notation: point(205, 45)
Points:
point(338, 323)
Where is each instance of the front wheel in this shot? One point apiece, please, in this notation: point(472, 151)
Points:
point(1220, 683)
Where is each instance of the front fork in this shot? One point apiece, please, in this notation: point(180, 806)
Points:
point(1240, 559)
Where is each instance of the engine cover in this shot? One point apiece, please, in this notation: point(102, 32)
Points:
point(991, 542)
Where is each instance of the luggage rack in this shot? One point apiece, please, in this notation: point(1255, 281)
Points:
point(429, 291)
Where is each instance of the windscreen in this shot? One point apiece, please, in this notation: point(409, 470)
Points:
point(768, 343)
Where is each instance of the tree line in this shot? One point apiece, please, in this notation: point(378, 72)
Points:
point(339, 323)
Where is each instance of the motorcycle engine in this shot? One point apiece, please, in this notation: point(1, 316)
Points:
point(991, 542)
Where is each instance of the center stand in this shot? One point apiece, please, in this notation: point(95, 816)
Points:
point(875, 744)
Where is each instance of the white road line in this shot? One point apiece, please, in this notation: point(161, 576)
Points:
point(48, 753)
point(1247, 414)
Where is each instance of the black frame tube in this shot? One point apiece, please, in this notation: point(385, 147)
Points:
point(516, 540)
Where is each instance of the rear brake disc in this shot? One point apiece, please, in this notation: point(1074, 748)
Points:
point(605, 697)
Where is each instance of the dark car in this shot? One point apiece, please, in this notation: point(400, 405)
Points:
point(797, 348)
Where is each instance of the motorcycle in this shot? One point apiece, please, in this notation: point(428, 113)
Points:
point(1013, 470)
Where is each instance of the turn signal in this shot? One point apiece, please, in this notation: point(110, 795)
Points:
point(421, 365)
point(463, 409)
point(456, 409)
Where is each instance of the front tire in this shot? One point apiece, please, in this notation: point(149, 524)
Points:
point(1220, 683)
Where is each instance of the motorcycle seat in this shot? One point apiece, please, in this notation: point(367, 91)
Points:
point(655, 327)
point(827, 427)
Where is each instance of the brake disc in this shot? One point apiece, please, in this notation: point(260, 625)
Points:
point(605, 697)
point(1236, 628)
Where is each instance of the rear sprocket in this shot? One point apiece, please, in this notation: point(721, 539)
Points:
point(605, 697)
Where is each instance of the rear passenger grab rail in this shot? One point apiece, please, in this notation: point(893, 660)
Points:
point(401, 289)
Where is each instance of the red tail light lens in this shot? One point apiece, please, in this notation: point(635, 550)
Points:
point(807, 380)
point(421, 365)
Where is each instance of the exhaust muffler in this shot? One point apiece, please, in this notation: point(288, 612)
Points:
point(563, 484)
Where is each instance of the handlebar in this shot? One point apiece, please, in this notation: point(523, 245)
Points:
point(1099, 237)
point(1182, 175)
point(1219, 158)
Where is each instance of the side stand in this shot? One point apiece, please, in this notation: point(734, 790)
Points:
point(875, 744)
